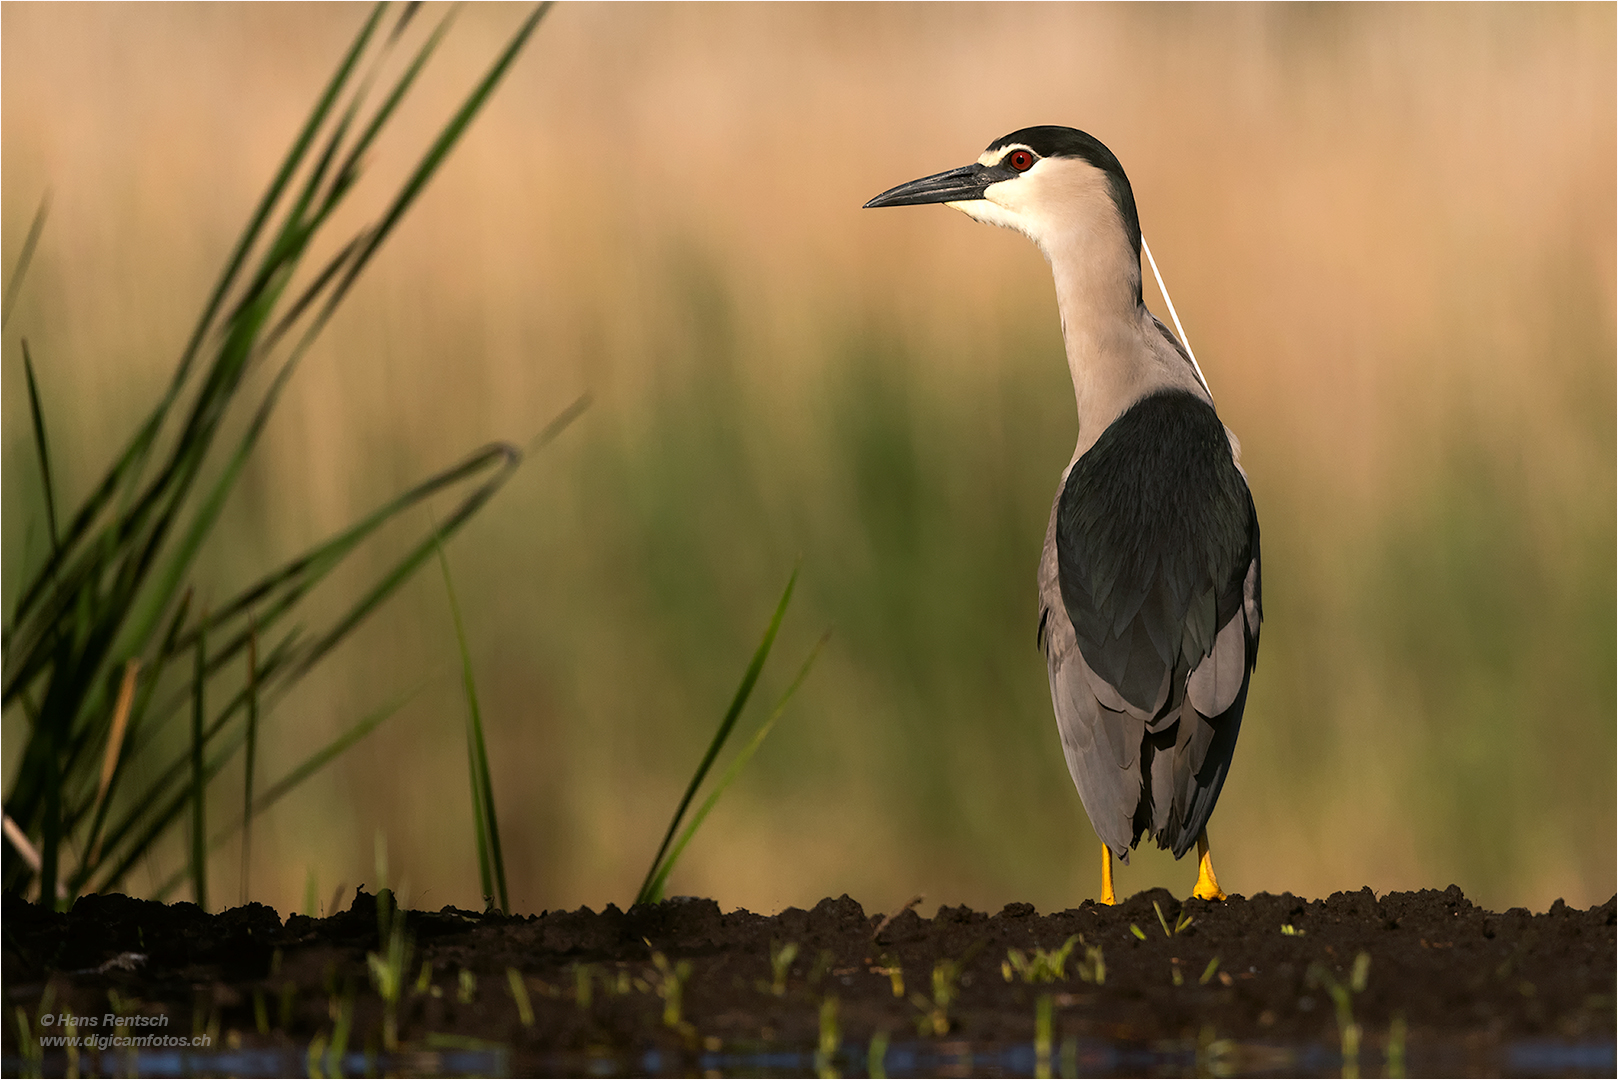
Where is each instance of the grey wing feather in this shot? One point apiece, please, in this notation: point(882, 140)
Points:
point(1102, 745)
point(1145, 761)
point(1217, 694)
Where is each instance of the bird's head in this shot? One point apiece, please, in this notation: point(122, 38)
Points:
point(1055, 185)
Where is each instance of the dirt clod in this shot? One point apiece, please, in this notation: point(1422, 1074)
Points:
point(1281, 971)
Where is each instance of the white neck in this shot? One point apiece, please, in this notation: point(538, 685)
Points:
point(1115, 352)
point(1100, 326)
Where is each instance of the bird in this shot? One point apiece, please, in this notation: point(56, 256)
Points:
point(1149, 590)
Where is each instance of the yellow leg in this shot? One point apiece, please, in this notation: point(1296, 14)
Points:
point(1107, 896)
point(1207, 885)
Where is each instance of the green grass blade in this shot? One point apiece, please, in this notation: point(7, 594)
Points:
point(447, 138)
point(411, 8)
point(272, 195)
point(283, 588)
point(343, 180)
point(402, 87)
point(476, 765)
point(294, 581)
point(244, 327)
point(119, 571)
point(286, 667)
point(249, 767)
point(94, 843)
point(312, 292)
point(245, 322)
point(278, 790)
point(155, 807)
point(743, 691)
point(51, 827)
point(508, 459)
point(278, 593)
point(118, 619)
point(25, 258)
point(559, 423)
point(41, 444)
point(480, 823)
point(130, 464)
point(133, 530)
point(743, 756)
point(272, 597)
point(199, 785)
point(491, 862)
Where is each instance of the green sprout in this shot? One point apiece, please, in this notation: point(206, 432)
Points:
point(342, 1016)
point(1070, 1056)
point(1396, 1045)
point(316, 1056)
point(876, 1055)
point(1042, 1037)
point(387, 967)
point(466, 988)
point(1184, 921)
point(1342, 997)
point(289, 996)
point(1043, 967)
point(823, 963)
point(670, 986)
point(934, 1016)
point(781, 957)
point(895, 972)
point(583, 984)
point(71, 1030)
point(1213, 1053)
point(831, 1039)
point(28, 1045)
point(519, 994)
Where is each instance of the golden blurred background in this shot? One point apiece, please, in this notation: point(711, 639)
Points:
point(1389, 231)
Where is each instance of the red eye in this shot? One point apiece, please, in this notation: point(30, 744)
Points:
point(1021, 160)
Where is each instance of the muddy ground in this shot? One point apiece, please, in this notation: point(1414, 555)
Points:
point(1265, 984)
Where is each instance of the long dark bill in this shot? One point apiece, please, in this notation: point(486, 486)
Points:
point(957, 185)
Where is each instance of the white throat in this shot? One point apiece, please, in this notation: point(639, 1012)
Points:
point(1115, 353)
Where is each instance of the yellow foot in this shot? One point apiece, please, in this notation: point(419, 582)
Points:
point(1207, 884)
point(1107, 896)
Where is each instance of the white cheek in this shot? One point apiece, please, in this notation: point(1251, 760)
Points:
point(987, 212)
point(992, 211)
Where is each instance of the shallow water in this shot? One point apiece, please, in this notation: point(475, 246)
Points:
point(1085, 1057)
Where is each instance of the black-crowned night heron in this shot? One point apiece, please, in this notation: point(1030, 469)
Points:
point(1149, 581)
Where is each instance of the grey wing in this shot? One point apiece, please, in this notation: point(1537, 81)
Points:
point(1211, 718)
point(1190, 774)
point(1102, 745)
point(1157, 769)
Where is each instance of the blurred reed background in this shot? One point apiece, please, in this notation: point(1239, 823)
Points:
point(1389, 232)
